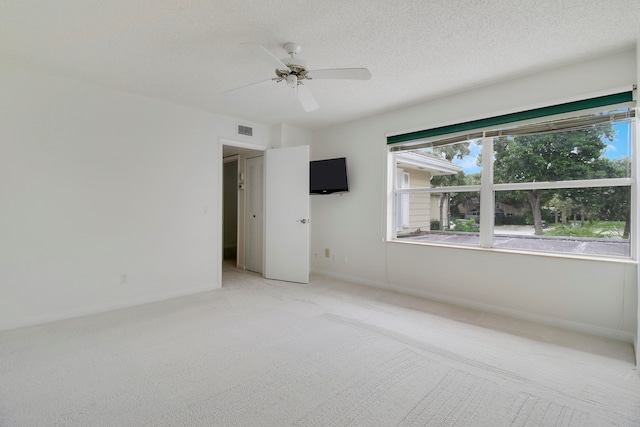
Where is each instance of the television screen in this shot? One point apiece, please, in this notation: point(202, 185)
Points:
point(328, 176)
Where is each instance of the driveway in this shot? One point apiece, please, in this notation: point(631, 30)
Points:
point(526, 230)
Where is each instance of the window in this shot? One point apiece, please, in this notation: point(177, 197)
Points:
point(559, 184)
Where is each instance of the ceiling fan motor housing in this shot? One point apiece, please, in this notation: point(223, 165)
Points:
point(296, 66)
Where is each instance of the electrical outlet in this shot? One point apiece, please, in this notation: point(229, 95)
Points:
point(123, 279)
point(327, 253)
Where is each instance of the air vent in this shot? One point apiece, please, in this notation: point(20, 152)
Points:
point(245, 130)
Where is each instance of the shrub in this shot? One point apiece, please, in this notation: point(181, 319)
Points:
point(513, 220)
point(589, 229)
point(464, 225)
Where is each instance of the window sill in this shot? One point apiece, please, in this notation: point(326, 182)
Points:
point(561, 255)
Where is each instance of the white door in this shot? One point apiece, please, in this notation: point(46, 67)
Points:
point(253, 214)
point(286, 214)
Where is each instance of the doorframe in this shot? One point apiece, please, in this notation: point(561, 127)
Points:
point(220, 224)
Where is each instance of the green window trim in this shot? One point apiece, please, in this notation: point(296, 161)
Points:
point(585, 104)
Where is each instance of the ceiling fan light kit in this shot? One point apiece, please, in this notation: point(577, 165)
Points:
point(294, 70)
point(292, 81)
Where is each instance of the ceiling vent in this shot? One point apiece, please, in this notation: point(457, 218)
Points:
point(245, 130)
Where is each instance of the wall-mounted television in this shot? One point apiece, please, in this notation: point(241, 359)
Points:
point(328, 176)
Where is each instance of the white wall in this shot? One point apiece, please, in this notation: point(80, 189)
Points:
point(286, 135)
point(591, 296)
point(96, 183)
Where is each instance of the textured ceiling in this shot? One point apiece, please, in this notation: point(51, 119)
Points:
point(188, 51)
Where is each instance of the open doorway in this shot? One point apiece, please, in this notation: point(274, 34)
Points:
point(282, 180)
point(242, 202)
point(230, 210)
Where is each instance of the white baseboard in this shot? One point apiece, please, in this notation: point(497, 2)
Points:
point(101, 308)
point(637, 352)
point(354, 279)
point(536, 318)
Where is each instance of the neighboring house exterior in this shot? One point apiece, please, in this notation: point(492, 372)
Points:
point(501, 209)
point(508, 210)
point(414, 170)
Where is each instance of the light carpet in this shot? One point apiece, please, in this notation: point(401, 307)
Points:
point(261, 352)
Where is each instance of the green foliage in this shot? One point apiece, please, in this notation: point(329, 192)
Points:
point(448, 180)
point(435, 224)
point(511, 220)
point(452, 151)
point(558, 156)
point(517, 199)
point(611, 229)
point(570, 231)
point(473, 179)
point(551, 157)
point(464, 225)
point(598, 229)
point(555, 156)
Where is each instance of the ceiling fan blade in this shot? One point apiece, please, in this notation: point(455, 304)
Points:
point(262, 53)
point(341, 73)
point(306, 98)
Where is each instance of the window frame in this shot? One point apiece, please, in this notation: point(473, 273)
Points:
point(488, 189)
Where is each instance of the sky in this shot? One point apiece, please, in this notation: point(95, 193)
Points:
point(620, 147)
point(468, 163)
point(616, 149)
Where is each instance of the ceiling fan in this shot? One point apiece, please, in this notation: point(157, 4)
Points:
point(293, 71)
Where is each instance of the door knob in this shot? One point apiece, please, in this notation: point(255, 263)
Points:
point(303, 220)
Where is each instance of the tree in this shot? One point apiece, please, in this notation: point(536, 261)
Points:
point(562, 205)
point(615, 205)
point(449, 152)
point(605, 203)
point(557, 156)
point(515, 199)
